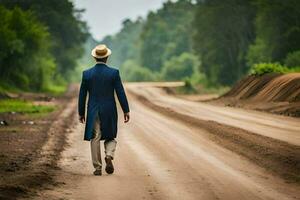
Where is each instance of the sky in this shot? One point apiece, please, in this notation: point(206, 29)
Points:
point(104, 17)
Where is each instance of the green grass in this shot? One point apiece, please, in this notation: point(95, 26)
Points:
point(21, 106)
point(6, 88)
point(56, 90)
point(200, 88)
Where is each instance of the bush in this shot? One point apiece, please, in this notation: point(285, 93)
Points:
point(294, 69)
point(131, 71)
point(293, 59)
point(180, 67)
point(264, 68)
point(258, 53)
point(188, 87)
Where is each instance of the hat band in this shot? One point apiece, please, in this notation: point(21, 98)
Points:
point(101, 52)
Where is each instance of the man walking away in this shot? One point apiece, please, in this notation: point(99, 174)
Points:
point(100, 82)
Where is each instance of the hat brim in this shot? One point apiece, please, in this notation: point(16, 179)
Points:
point(93, 53)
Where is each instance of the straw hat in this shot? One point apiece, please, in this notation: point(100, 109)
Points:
point(101, 51)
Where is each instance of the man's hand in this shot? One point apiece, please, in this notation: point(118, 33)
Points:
point(82, 119)
point(126, 117)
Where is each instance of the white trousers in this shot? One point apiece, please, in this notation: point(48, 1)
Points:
point(109, 146)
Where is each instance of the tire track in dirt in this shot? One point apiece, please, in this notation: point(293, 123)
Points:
point(278, 157)
point(199, 167)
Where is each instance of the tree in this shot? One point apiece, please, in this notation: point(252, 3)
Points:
point(148, 43)
point(25, 59)
point(166, 33)
point(125, 44)
point(224, 31)
point(67, 32)
point(277, 30)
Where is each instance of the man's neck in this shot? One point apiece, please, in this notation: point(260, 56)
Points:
point(99, 62)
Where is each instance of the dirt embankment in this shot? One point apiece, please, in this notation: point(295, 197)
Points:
point(274, 93)
point(30, 146)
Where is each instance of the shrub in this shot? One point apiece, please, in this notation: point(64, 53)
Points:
point(188, 87)
point(293, 59)
point(131, 71)
point(180, 67)
point(263, 68)
point(258, 53)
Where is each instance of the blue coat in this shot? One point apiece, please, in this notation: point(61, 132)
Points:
point(100, 82)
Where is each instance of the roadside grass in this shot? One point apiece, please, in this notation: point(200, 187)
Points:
point(56, 90)
point(22, 106)
point(5, 88)
point(220, 90)
point(201, 89)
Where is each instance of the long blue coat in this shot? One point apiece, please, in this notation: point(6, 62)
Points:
point(100, 82)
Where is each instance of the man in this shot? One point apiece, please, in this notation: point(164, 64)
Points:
point(100, 82)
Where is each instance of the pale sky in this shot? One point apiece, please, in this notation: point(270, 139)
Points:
point(104, 17)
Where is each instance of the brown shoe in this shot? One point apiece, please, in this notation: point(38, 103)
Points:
point(109, 165)
point(98, 172)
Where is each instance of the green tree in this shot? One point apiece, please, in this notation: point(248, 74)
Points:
point(125, 44)
point(166, 33)
point(67, 32)
point(86, 60)
point(25, 59)
point(277, 31)
point(152, 41)
point(224, 31)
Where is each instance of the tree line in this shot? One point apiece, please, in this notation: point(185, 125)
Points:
point(213, 42)
point(208, 41)
point(40, 43)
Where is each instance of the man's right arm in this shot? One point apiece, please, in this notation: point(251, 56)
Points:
point(82, 99)
point(121, 96)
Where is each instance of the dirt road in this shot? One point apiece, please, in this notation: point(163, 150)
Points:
point(158, 157)
point(279, 127)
